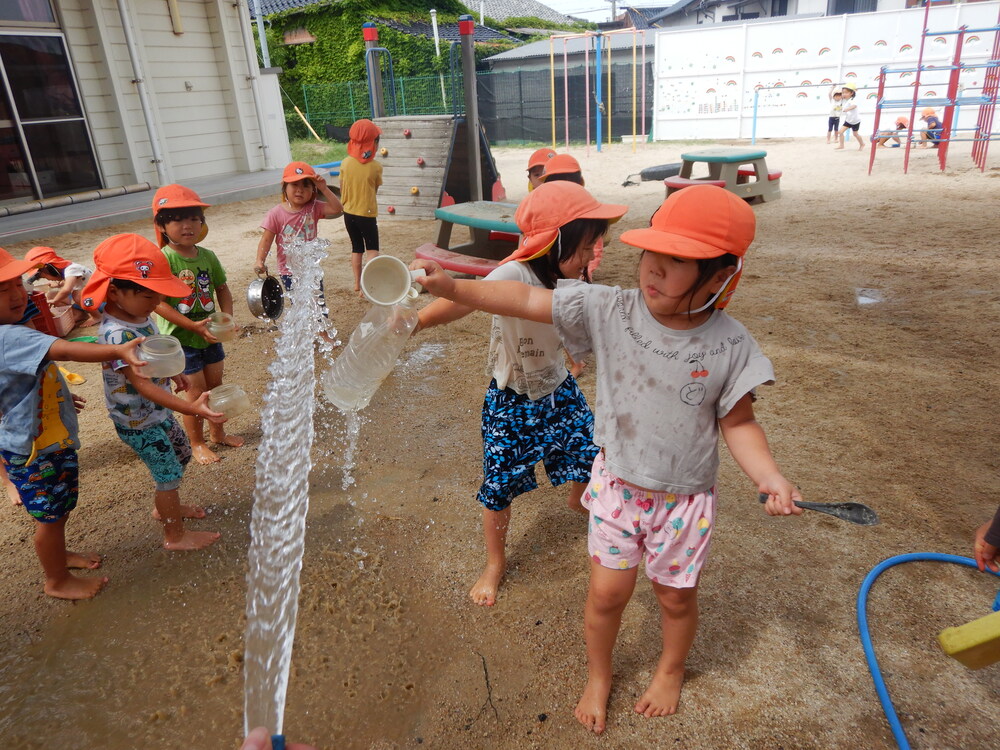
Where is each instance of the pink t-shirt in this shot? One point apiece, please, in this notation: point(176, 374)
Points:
point(288, 225)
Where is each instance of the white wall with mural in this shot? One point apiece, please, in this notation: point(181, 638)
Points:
point(706, 79)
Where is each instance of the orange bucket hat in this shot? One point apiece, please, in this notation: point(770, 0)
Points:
point(176, 196)
point(362, 140)
point(903, 121)
point(550, 206)
point(45, 256)
point(297, 170)
point(12, 268)
point(561, 164)
point(540, 158)
point(927, 112)
point(131, 258)
point(701, 221)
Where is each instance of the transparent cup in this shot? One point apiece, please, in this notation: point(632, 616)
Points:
point(164, 356)
point(222, 326)
point(229, 400)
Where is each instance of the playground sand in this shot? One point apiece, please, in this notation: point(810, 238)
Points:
point(891, 403)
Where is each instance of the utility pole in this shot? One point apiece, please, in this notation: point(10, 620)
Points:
point(614, 10)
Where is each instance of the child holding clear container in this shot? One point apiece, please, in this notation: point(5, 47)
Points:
point(179, 223)
point(132, 279)
point(533, 411)
point(39, 435)
point(673, 371)
point(360, 179)
point(69, 277)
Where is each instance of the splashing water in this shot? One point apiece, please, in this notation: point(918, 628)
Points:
point(281, 496)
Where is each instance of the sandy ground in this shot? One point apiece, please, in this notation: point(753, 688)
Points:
point(892, 404)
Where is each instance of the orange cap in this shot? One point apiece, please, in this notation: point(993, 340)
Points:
point(927, 112)
point(176, 196)
point(561, 164)
point(540, 157)
point(297, 170)
point(701, 221)
point(550, 206)
point(362, 137)
point(45, 255)
point(132, 258)
point(903, 121)
point(12, 268)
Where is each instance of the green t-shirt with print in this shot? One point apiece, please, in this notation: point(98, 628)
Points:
point(203, 274)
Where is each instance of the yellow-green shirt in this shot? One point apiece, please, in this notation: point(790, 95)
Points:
point(358, 184)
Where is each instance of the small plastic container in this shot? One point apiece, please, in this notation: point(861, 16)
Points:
point(222, 326)
point(229, 400)
point(164, 355)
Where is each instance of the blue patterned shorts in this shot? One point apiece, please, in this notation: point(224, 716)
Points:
point(48, 486)
point(557, 430)
point(164, 448)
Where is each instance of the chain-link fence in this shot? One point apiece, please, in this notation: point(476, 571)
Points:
point(514, 107)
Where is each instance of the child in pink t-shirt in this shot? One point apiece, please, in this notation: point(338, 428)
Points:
point(296, 216)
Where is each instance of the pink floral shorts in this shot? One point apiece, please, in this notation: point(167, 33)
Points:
point(674, 531)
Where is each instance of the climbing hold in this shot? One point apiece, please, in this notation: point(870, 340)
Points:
point(414, 190)
point(420, 161)
point(406, 133)
point(383, 151)
point(391, 209)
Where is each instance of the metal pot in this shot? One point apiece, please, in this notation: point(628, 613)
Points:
point(265, 298)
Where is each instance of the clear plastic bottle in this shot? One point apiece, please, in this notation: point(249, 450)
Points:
point(370, 354)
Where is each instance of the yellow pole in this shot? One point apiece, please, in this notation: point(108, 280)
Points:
point(315, 134)
point(552, 88)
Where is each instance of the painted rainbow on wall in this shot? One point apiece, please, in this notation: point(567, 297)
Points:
point(968, 70)
point(940, 40)
point(971, 39)
point(758, 86)
point(730, 58)
point(730, 83)
point(905, 74)
point(801, 51)
point(873, 95)
point(758, 55)
point(806, 83)
point(826, 80)
point(823, 51)
point(854, 48)
point(850, 74)
point(777, 51)
point(931, 93)
point(779, 84)
point(709, 91)
point(880, 43)
point(906, 48)
point(802, 95)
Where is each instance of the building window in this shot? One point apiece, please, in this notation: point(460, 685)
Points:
point(27, 11)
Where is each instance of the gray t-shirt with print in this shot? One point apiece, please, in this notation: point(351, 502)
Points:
point(660, 391)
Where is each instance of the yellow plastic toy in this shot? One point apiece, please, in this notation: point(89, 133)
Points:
point(414, 191)
point(976, 644)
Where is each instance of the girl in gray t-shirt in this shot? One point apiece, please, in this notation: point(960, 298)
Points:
point(673, 371)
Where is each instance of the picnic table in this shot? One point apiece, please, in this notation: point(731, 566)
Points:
point(731, 168)
point(493, 236)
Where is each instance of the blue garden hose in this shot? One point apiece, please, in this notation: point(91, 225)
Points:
point(866, 641)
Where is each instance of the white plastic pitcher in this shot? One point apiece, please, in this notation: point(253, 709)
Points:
point(385, 280)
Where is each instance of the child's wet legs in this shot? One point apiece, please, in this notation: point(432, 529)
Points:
point(50, 546)
point(195, 426)
point(217, 432)
point(12, 494)
point(175, 536)
point(576, 490)
point(609, 593)
point(495, 524)
point(679, 621)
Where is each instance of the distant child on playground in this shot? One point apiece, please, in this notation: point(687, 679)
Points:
point(852, 117)
point(536, 166)
point(673, 370)
point(179, 223)
point(360, 179)
point(295, 218)
point(38, 429)
point(533, 411)
point(932, 134)
point(133, 276)
point(902, 124)
point(70, 277)
point(833, 121)
point(563, 167)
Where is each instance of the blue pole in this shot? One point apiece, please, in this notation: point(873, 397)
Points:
point(753, 131)
point(597, 91)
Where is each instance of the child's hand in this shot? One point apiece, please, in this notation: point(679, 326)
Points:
point(129, 355)
point(201, 328)
point(437, 282)
point(780, 496)
point(201, 409)
point(78, 402)
point(181, 382)
point(259, 268)
point(987, 556)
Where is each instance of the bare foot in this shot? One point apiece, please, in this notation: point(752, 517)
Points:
point(484, 592)
point(90, 322)
point(233, 441)
point(592, 709)
point(187, 511)
point(838, 148)
point(88, 560)
point(662, 695)
point(203, 454)
point(75, 588)
point(192, 540)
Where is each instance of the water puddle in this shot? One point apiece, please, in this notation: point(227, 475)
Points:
point(868, 297)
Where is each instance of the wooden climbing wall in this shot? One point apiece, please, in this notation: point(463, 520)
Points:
point(430, 139)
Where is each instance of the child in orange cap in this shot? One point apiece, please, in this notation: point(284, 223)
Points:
point(179, 222)
point(38, 429)
point(673, 370)
point(932, 134)
point(360, 179)
point(565, 167)
point(534, 411)
point(70, 278)
point(132, 279)
point(296, 217)
point(536, 166)
point(902, 124)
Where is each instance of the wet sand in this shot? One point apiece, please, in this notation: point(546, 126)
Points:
point(889, 403)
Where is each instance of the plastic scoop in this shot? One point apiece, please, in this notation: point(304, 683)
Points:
point(858, 513)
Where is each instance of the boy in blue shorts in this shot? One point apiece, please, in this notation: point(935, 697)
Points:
point(179, 222)
point(38, 431)
point(133, 277)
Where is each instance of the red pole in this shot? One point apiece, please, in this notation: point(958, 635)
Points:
point(949, 109)
point(878, 116)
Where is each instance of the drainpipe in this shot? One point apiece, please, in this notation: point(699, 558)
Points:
point(262, 35)
point(162, 172)
point(253, 71)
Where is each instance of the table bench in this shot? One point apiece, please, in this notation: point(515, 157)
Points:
point(676, 182)
point(457, 262)
point(724, 163)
